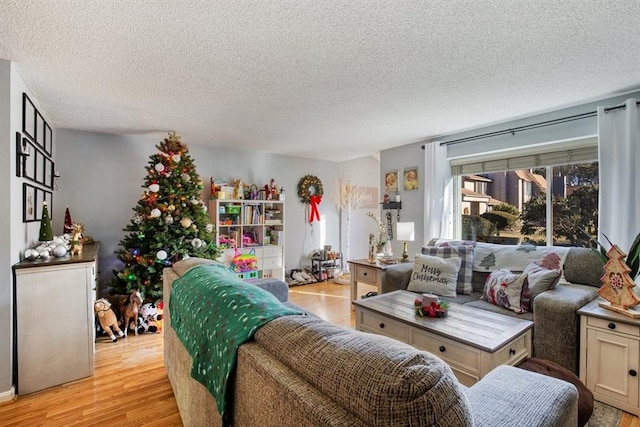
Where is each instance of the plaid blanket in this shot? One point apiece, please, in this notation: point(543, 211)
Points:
point(213, 312)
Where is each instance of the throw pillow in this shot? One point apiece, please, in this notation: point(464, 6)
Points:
point(543, 275)
point(435, 275)
point(508, 290)
point(465, 253)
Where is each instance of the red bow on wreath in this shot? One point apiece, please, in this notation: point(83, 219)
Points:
point(314, 201)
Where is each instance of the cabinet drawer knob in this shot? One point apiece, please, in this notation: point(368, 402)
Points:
point(633, 373)
point(364, 273)
point(512, 351)
point(611, 325)
point(381, 325)
point(442, 349)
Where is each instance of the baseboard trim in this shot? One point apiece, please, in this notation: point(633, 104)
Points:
point(8, 395)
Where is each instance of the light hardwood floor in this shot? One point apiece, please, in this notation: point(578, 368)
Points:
point(130, 387)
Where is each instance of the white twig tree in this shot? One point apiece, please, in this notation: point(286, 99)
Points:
point(350, 197)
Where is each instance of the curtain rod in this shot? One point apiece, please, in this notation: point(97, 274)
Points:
point(513, 131)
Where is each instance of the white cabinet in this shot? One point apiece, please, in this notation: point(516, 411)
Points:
point(610, 356)
point(255, 226)
point(54, 320)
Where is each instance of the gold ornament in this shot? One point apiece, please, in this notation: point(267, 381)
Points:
point(186, 222)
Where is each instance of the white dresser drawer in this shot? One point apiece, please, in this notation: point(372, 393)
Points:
point(371, 322)
point(513, 352)
point(272, 262)
point(454, 353)
point(272, 251)
point(612, 326)
point(366, 275)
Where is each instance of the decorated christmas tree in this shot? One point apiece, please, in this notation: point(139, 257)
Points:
point(170, 222)
point(46, 233)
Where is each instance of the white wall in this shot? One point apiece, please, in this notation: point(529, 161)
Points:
point(21, 235)
point(102, 176)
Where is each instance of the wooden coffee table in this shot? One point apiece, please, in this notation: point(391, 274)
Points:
point(471, 340)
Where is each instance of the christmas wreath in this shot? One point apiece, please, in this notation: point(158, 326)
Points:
point(309, 186)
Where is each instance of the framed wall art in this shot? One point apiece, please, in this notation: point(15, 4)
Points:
point(40, 197)
point(28, 202)
point(48, 139)
point(391, 181)
point(28, 117)
point(410, 178)
point(40, 129)
point(29, 161)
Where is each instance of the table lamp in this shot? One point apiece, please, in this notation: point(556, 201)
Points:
point(404, 231)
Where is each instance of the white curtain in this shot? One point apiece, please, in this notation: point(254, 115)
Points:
point(438, 193)
point(619, 157)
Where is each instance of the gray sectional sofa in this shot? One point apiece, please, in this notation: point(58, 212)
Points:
point(302, 370)
point(556, 331)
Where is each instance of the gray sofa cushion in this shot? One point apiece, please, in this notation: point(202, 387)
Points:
point(509, 396)
point(380, 380)
point(583, 267)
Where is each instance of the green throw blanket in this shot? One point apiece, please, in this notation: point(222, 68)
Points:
point(213, 312)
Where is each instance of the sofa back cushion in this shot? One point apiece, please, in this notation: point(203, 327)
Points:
point(582, 266)
point(380, 380)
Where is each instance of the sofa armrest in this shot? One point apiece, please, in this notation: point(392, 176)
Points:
point(275, 286)
point(556, 331)
point(508, 394)
point(396, 277)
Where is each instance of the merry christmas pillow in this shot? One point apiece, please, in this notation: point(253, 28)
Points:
point(465, 253)
point(508, 290)
point(435, 275)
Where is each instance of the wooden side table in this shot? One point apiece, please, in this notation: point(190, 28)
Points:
point(365, 272)
point(610, 356)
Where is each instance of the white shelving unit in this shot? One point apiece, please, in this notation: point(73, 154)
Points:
point(253, 226)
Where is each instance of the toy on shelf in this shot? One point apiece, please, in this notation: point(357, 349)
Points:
point(226, 241)
point(244, 262)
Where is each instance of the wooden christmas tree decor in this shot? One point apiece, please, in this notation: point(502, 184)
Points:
point(617, 285)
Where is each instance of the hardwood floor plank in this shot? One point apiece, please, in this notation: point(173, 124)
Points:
point(130, 386)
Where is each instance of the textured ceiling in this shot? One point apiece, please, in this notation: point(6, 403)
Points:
point(324, 79)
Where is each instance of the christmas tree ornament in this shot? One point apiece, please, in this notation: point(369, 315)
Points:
point(171, 208)
point(44, 254)
point(209, 228)
point(31, 254)
point(185, 177)
point(161, 255)
point(176, 158)
point(59, 251)
point(154, 188)
point(46, 233)
point(137, 219)
point(67, 222)
point(197, 243)
point(155, 212)
point(168, 220)
point(159, 167)
point(195, 201)
point(186, 222)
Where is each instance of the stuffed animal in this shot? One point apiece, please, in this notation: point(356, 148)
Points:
point(147, 317)
point(107, 318)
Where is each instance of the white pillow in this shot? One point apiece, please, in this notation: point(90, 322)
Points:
point(435, 275)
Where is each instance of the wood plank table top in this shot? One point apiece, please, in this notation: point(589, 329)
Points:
point(478, 328)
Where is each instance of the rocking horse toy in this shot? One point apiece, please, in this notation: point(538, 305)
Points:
point(107, 319)
point(129, 309)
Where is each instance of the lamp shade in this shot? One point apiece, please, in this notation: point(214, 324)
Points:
point(404, 231)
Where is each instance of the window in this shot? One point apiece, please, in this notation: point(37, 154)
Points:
point(513, 209)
